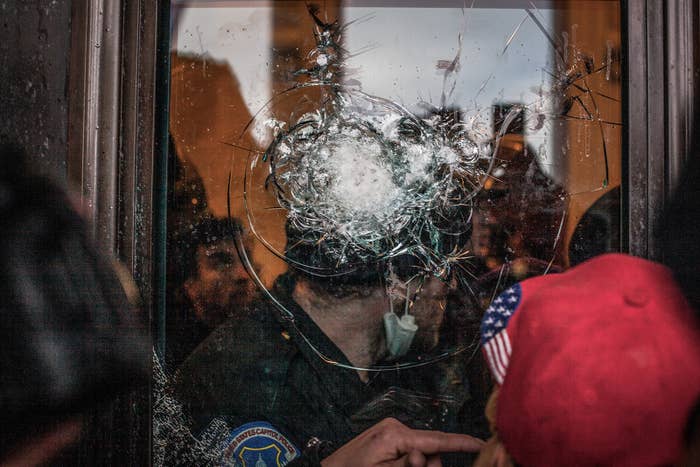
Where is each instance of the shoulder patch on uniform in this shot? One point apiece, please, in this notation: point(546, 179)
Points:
point(258, 444)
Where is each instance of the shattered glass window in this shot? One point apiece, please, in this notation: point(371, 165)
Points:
point(350, 184)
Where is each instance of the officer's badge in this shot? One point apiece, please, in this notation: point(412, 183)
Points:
point(258, 444)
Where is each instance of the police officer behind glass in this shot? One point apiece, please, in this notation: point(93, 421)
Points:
point(295, 390)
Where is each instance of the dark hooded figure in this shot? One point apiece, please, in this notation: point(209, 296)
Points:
point(679, 233)
point(70, 337)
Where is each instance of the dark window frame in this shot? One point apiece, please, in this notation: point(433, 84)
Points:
point(117, 146)
point(661, 66)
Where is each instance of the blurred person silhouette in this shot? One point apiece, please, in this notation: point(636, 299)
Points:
point(219, 288)
point(679, 234)
point(588, 373)
point(187, 207)
point(679, 229)
point(71, 337)
point(598, 230)
point(207, 283)
point(520, 209)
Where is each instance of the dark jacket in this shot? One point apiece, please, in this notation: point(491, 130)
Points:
point(271, 371)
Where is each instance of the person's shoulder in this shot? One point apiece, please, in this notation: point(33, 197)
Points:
point(260, 324)
point(238, 369)
point(250, 343)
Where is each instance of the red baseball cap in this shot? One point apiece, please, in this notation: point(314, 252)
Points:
point(598, 365)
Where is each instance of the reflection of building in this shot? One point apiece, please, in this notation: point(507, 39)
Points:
point(590, 120)
point(207, 111)
point(207, 115)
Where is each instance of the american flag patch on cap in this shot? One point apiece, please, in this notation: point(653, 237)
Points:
point(494, 336)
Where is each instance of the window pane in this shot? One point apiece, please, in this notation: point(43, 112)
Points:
point(351, 185)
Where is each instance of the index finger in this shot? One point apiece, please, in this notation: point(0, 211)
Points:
point(435, 442)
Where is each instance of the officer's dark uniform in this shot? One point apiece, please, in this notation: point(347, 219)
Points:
point(260, 375)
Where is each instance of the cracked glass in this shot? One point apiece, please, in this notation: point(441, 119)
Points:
point(351, 184)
